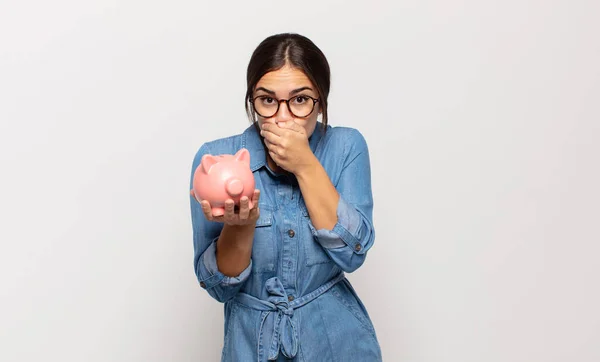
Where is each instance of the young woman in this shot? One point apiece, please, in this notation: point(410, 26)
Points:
point(279, 266)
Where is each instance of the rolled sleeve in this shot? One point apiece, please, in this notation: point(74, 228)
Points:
point(345, 232)
point(209, 274)
point(349, 240)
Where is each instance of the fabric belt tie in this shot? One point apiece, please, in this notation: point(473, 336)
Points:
point(278, 312)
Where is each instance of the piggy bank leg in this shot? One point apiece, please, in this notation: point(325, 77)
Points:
point(218, 211)
point(193, 194)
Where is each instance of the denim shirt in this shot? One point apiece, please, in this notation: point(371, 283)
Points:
point(293, 301)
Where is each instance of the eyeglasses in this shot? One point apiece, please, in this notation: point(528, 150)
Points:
point(300, 106)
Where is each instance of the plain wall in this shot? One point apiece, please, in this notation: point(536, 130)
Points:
point(483, 124)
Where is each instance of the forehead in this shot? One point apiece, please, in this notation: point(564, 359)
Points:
point(284, 80)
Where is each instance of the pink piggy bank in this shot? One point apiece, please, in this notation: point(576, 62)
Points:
point(223, 177)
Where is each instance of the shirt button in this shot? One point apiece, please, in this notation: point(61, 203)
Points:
point(291, 233)
point(291, 298)
point(358, 247)
point(203, 285)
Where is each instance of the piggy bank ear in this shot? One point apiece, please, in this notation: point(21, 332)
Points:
point(207, 162)
point(243, 156)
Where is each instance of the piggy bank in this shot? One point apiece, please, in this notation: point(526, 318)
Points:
point(222, 177)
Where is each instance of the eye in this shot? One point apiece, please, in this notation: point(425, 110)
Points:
point(267, 100)
point(300, 99)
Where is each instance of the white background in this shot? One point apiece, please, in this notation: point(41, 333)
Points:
point(483, 123)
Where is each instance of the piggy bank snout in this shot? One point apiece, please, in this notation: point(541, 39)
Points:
point(222, 177)
point(234, 187)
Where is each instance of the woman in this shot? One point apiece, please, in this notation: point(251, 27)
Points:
point(277, 262)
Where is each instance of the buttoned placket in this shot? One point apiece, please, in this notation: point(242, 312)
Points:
point(287, 199)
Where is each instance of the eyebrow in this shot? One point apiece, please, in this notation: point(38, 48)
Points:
point(295, 91)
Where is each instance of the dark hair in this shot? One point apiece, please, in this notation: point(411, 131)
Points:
point(299, 52)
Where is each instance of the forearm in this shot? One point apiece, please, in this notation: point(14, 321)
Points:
point(234, 249)
point(348, 239)
point(320, 196)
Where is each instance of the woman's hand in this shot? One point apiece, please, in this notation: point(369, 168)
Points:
point(245, 215)
point(287, 143)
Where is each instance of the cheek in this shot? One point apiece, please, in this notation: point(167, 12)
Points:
point(310, 126)
point(311, 121)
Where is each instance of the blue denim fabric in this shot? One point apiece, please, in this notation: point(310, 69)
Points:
point(293, 302)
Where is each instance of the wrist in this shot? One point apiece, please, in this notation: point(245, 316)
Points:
point(239, 236)
point(308, 168)
point(239, 229)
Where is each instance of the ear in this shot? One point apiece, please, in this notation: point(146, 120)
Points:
point(207, 162)
point(243, 156)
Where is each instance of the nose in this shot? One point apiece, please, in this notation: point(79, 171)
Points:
point(283, 114)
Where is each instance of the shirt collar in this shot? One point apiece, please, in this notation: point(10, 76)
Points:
point(252, 141)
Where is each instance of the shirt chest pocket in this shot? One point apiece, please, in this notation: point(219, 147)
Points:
point(264, 248)
point(314, 253)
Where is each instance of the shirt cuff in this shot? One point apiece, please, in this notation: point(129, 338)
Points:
point(344, 232)
point(210, 276)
